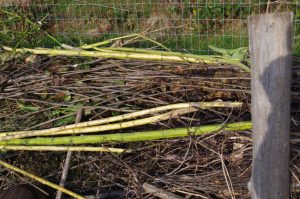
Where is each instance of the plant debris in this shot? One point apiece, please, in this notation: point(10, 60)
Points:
point(43, 93)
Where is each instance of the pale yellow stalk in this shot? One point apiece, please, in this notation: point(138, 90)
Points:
point(41, 180)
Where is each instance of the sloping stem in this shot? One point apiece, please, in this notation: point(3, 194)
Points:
point(108, 127)
point(202, 105)
point(41, 180)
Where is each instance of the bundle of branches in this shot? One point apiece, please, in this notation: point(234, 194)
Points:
point(55, 89)
point(48, 91)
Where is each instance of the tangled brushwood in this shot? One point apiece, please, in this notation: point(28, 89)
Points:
point(151, 123)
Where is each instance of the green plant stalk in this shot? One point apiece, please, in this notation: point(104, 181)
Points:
point(41, 180)
point(131, 137)
point(108, 41)
point(103, 50)
point(108, 127)
point(142, 50)
point(205, 59)
point(202, 105)
point(62, 148)
point(153, 41)
point(220, 59)
point(112, 55)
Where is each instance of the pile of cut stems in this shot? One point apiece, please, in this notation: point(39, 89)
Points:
point(85, 136)
point(51, 139)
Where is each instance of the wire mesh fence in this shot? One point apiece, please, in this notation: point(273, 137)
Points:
point(182, 25)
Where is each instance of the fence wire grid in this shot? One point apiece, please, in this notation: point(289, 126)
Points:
point(181, 25)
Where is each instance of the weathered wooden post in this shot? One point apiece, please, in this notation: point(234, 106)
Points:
point(270, 37)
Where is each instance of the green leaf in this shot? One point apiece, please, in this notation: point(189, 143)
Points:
point(219, 50)
point(238, 53)
point(28, 108)
point(84, 66)
point(65, 121)
point(67, 97)
point(120, 82)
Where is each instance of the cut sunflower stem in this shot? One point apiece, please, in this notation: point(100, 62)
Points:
point(41, 180)
point(108, 41)
point(62, 148)
point(205, 59)
point(132, 137)
point(219, 59)
point(113, 55)
point(108, 127)
point(202, 105)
